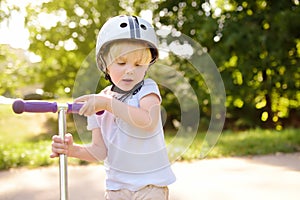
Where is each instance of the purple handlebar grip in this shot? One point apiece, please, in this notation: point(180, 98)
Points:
point(20, 106)
point(75, 107)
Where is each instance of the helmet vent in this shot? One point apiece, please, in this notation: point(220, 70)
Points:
point(143, 27)
point(123, 25)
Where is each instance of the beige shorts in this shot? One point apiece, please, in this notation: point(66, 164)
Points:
point(149, 192)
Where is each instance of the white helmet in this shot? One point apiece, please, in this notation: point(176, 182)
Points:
point(125, 27)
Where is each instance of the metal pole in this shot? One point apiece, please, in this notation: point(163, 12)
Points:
point(63, 181)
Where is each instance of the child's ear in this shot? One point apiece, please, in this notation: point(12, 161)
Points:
point(107, 70)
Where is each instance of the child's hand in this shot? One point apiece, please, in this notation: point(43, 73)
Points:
point(93, 103)
point(61, 147)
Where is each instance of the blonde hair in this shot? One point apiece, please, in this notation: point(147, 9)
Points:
point(121, 48)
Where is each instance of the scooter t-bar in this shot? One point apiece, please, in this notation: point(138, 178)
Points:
point(20, 106)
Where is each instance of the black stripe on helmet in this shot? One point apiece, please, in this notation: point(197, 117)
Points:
point(131, 26)
point(137, 27)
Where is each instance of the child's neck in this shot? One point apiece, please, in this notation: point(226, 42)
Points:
point(126, 94)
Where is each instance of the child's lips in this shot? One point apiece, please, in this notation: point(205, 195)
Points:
point(127, 80)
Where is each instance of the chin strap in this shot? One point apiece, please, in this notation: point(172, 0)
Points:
point(129, 93)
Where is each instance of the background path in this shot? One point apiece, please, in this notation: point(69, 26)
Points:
point(273, 177)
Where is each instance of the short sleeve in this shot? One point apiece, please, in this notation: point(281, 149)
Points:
point(92, 122)
point(149, 87)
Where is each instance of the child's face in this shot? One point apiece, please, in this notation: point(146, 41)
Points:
point(127, 70)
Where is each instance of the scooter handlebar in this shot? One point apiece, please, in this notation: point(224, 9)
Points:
point(75, 107)
point(20, 106)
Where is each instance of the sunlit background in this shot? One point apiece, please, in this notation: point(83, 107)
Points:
point(255, 46)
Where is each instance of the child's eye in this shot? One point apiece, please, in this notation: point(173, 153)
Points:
point(140, 64)
point(121, 63)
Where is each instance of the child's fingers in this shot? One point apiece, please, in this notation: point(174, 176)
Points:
point(82, 98)
point(56, 139)
point(83, 109)
point(54, 155)
point(88, 108)
point(69, 139)
point(59, 148)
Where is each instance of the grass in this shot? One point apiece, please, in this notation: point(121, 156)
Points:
point(245, 143)
point(29, 154)
point(25, 141)
point(16, 128)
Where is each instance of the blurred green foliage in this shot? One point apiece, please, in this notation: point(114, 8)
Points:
point(20, 146)
point(255, 44)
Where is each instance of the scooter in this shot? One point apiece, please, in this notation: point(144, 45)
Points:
point(20, 106)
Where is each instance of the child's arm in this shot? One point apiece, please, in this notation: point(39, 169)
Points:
point(96, 151)
point(145, 117)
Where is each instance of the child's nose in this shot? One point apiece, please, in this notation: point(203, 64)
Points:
point(129, 69)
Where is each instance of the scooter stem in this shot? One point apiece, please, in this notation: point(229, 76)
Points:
point(63, 173)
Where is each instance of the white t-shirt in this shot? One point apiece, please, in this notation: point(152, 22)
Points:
point(135, 158)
